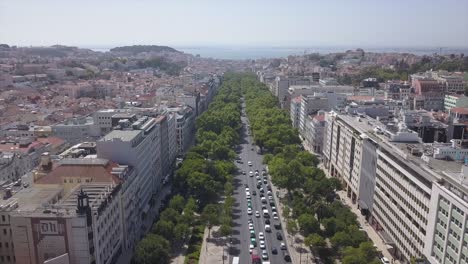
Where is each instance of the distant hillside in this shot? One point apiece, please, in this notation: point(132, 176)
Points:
point(143, 48)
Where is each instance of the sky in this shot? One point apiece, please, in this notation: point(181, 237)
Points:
point(365, 23)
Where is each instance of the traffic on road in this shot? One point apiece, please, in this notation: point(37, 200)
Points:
point(257, 235)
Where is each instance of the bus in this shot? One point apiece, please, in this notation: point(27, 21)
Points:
point(235, 260)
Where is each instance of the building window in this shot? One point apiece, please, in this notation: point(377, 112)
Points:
point(4, 231)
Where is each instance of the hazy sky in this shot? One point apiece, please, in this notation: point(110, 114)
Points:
point(433, 23)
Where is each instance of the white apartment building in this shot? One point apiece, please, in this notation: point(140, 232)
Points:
point(76, 130)
point(455, 100)
point(447, 236)
point(185, 127)
point(295, 111)
point(137, 145)
point(393, 180)
point(313, 134)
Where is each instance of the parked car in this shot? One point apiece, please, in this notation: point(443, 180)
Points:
point(279, 236)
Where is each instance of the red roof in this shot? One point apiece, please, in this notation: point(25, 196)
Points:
point(460, 110)
point(319, 118)
point(54, 141)
point(16, 147)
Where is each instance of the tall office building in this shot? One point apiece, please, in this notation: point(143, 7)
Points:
point(399, 184)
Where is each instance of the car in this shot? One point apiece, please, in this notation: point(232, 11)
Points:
point(269, 187)
point(251, 149)
point(248, 195)
point(270, 197)
point(239, 161)
point(261, 236)
point(273, 209)
point(264, 206)
point(259, 186)
point(253, 241)
point(267, 221)
point(262, 195)
point(272, 203)
point(256, 173)
point(265, 181)
point(274, 250)
point(250, 221)
point(258, 178)
point(243, 173)
point(385, 260)
point(286, 256)
point(267, 228)
point(283, 246)
point(269, 192)
point(249, 205)
point(252, 233)
point(254, 192)
point(264, 255)
point(251, 247)
point(277, 225)
point(275, 215)
point(250, 163)
point(261, 190)
point(249, 211)
point(251, 226)
point(257, 214)
point(250, 173)
point(279, 236)
point(264, 200)
point(262, 244)
point(259, 182)
point(247, 188)
point(246, 185)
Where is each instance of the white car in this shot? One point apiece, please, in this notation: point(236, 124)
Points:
point(258, 178)
point(283, 245)
point(269, 193)
point(273, 209)
point(275, 215)
point(385, 260)
point(250, 163)
point(268, 228)
point(249, 211)
point(251, 226)
point(251, 248)
point(247, 189)
point(262, 244)
point(251, 173)
point(261, 236)
point(257, 214)
point(264, 255)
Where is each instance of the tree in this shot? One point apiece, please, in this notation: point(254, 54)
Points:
point(365, 253)
point(315, 241)
point(308, 224)
point(164, 229)
point(170, 215)
point(210, 215)
point(225, 230)
point(177, 203)
point(181, 233)
point(291, 226)
point(152, 249)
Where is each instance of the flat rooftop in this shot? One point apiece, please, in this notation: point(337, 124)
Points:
point(124, 135)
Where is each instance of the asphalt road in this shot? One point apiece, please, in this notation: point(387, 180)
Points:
point(241, 235)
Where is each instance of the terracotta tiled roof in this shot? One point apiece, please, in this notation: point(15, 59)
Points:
point(460, 110)
point(98, 173)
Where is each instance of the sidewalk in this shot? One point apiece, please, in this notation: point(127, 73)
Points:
point(213, 249)
point(299, 252)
